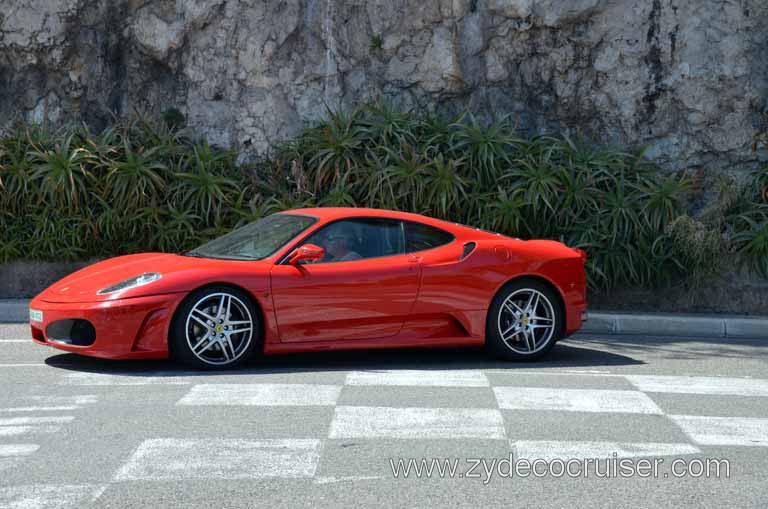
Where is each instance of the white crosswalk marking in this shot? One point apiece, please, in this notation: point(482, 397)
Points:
point(739, 431)
point(429, 378)
point(51, 419)
point(262, 395)
point(48, 496)
point(174, 459)
point(63, 408)
point(700, 385)
point(108, 379)
point(53, 403)
point(575, 400)
point(12, 426)
point(379, 422)
point(565, 450)
point(7, 431)
point(7, 450)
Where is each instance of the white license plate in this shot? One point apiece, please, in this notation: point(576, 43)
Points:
point(35, 315)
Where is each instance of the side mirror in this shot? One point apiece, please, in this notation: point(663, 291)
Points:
point(307, 252)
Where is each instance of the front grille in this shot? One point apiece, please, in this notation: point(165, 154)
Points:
point(72, 331)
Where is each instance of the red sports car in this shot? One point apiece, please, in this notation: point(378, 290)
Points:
point(320, 279)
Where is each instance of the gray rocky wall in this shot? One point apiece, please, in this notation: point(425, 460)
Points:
point(687, 78)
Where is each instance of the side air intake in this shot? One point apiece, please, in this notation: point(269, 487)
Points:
point(468, 248)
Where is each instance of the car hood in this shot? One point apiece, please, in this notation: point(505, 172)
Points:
point(179, 274)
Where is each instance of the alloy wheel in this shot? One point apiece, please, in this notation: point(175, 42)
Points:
point(219, 329)
point(526, 321)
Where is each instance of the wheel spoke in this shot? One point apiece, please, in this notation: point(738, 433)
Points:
point(203, 313)
point(239, 322)
point(206, 347)
point(541, 319)
point(238, 331)
point(511, 336)
point(504, 334)
point(512, 307)
point(533, 301)
point(224, 350)
point(204, 324)
point(205, 337)
point(530, 340)
point(220, 310)
point(231, 346)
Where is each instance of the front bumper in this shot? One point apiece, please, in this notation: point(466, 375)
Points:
point(135, 328)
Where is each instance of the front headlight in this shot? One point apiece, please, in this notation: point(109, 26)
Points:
point(140, 280)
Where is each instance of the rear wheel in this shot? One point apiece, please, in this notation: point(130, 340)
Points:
point(215, 328)
point(524, 321)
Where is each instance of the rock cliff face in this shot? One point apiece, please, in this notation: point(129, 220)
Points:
point(687, 78)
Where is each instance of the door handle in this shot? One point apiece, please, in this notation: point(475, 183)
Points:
point(415, 259)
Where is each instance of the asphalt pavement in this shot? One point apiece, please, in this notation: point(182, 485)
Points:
point(326, 429)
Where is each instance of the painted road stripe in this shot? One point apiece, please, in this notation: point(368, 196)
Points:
point(7, 450)
point(51, 419)
point(47, 496)
point(564, 372)
point(79, 399)
point(564, 450)
point(575, 400)
point(740, 431)
point(387, 422)
point(700, 385)
point(54, 403)
point(17, 341)
point(218, 458)
point(262, 395)
point(8, 431)
point(107, 379)
point(428, 378)
point(23, 365)
point(63, 408)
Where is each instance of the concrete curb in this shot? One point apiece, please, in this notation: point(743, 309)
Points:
point(657, 324)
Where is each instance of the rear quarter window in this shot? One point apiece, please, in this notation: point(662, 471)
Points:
point(420, 237)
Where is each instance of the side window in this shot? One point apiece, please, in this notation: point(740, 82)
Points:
point(420, 237)
point(357, 239)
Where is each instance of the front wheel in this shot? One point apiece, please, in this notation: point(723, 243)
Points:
point(524, 321)
point(215, 328)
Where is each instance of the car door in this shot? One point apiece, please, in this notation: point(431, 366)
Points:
point(366, 293)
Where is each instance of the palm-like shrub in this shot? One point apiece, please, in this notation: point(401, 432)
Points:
point(140, 185)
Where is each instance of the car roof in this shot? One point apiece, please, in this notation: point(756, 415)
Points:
point(327, 214)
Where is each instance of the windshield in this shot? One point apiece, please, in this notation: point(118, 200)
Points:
point(256, 240)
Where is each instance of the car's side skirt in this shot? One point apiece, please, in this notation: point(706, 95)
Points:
point(367, 344)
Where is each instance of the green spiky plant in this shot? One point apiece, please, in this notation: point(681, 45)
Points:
point(141, 185)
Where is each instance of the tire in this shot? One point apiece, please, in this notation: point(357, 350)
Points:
point(510, 331)
point(204, 336)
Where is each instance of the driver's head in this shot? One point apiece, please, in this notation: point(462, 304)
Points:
point(337, 241)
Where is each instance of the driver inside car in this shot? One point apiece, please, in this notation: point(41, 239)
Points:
point(338, 243)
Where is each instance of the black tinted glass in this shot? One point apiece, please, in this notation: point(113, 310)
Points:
point(420, 237)
point(355, 239)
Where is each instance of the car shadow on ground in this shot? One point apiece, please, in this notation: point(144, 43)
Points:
point(562, 356)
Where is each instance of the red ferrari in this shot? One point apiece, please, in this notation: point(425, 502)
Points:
point(321, 279)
